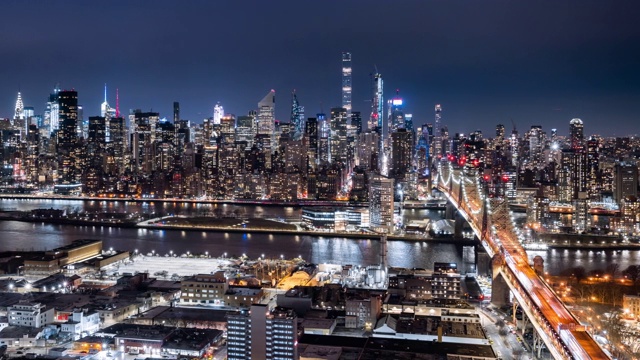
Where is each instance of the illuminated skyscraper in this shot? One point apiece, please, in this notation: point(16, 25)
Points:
point(297, 117)
point(401, 150)
point(176, 112)
point(68, 114)
point(51, 114)
point(104, 107)
point(377, 104)
point(437, 134)
point(396, 116)
point(311, 132)
point(626, 181)
point(576, 133)
point(218, 113)
point(338, 141)
point(19, 113)
point(346, 81)
point(356, 121)
point(266, 124)
point(381, 203)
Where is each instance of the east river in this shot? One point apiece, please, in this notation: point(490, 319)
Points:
point(318, 249)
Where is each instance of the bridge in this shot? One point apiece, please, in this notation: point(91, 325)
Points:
point(490, 218)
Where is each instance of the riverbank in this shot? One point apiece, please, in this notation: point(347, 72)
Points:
point(319, 234)
point(299, 203)
point(231, 225)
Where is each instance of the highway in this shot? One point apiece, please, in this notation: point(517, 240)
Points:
point(560, 330)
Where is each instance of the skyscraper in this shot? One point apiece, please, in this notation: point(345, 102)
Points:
point(218, 113)
point(381, 203)
point(576, 133)
point(437, 134)
point(377, 105)
point(297, 117)
point(338, 141)
point(626, 181)
point(52, 114)
point(311, 132)
point(68, 115)
point(356, 121)
point(401, 150)
point(19, 113)
point(104, 107)
point(176, 113)
point(396, 116)
point(346, 81)
point(266, 125)
point(267, 114)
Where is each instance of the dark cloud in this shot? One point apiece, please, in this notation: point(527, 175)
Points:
point(487, 62)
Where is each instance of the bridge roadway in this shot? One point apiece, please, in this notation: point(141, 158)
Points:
point(561, 332)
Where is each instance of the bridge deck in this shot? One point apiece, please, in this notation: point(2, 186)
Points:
point(554, 319)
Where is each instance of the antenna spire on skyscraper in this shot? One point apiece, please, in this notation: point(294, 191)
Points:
point(117, 104)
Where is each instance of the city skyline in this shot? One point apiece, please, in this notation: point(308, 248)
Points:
point(580, 64)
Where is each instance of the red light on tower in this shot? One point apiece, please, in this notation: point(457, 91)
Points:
point(486, 178)
point(505, 178)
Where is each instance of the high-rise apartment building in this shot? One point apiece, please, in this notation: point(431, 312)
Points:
point(311, 132)
point(626, 181)
point(381, 203)
point(68, 116)
point(377, 105)
point(262, 334)
point(437, 134)
point(367, 150)
point(338, 137)
point(401, 151)
point(572, 179)
point(143, 140)
point(356, 121)
point(576, 133)
point(346, 81)
point(176, 112)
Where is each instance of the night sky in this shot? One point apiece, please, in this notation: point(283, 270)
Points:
point(486, 62)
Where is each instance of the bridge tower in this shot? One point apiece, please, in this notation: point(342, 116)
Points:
point(538, 265)
point(499, 288)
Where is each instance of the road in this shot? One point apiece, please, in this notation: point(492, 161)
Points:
point(505, 346)
point(557, 326)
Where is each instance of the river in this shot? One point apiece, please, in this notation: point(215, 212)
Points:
point(38, 236)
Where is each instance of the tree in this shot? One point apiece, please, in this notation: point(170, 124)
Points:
point(612, 270)
point(579, 273)
point(615, 293)
point(581, 291)
point(632, 273)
